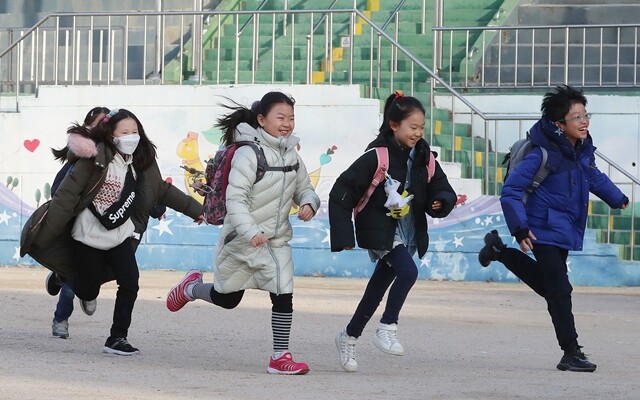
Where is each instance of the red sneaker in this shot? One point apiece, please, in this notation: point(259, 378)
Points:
point(286, 366)
point(177, 297)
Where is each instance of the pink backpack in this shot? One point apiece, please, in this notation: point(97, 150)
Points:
point(379, 175)
point(217, 179)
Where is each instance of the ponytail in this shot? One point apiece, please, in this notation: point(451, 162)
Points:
point(229, 122)
point(397, 107)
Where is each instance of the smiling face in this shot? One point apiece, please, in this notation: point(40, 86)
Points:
point(279, 121)
point(408, 131)
point(575, 124)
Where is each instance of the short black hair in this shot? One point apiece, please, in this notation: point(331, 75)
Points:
point(557, 103)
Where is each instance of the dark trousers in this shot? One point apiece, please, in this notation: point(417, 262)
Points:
point(91, 265)
point(64, 308)
point(398, 270)
point(547, 276)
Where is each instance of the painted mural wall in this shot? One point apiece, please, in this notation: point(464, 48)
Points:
point(334, 125)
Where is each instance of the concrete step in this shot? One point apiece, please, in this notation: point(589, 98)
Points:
point(578, 14)
point(610, 74)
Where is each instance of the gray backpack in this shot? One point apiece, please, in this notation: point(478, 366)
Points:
point(516, 153)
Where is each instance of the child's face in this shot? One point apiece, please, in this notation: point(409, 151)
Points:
point(126, 126)
point(279, 121)
point(408, 131)
point(576, 123)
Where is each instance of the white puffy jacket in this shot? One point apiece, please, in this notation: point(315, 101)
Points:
point(261, 207)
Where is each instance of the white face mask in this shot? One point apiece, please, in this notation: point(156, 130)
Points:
point(126, 144)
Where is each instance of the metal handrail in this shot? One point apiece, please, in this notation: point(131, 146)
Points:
point(333, 3)
point(392, 15)
point(493, 28)
point(251, 17)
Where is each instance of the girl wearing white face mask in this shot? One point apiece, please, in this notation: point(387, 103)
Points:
point(106, 197)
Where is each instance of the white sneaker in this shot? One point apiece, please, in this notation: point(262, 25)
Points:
point(89, 307)
point(347, 348)
point(386, 339)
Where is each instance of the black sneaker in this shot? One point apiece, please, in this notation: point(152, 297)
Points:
point(53, 284)
point(491, 250)
point(576, 362)
point(119, 346)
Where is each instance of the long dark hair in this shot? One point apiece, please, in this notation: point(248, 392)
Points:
point(397, 108)
point(89, 119)
point(239, 114)
point(145, 153)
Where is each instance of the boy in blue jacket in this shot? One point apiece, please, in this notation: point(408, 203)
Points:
point(553, 220)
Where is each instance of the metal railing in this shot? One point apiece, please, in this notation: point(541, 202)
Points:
point(589, 56)
point(289, 58)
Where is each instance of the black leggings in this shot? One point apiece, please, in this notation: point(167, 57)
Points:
point(282, 303)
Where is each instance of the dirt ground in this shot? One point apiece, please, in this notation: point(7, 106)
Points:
point(463, 341)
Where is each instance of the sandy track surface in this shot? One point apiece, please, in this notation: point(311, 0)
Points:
point(463, 341)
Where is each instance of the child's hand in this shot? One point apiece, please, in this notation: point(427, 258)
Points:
point(306, 212)
point(436, 205)
point(199, 220)
point(259, 240)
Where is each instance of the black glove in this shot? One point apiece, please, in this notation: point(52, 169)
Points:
point(521, 234)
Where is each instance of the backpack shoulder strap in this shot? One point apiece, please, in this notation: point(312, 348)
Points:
point(382, 154)
point(541, 174)
point(263, 166)
point(431, 166)
point(543, 171)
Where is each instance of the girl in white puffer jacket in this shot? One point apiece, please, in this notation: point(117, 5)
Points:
point(253, 250)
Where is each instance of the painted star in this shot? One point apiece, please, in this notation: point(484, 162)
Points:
point(163, 226)
point(4, 218)
point(327, 238)
point(16, 255)
point(457, 241)
point(488, 220)
point(424, 262)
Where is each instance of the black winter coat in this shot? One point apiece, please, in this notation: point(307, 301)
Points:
point(374, 229)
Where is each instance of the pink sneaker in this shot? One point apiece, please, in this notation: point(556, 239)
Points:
point(178, 297)
point(286, 366)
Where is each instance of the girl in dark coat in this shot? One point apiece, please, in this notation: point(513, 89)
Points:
point(391, 236)
point(99, 212)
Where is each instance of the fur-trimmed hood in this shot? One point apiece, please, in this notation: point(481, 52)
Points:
point(81, 146)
